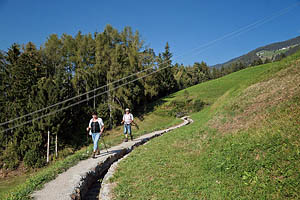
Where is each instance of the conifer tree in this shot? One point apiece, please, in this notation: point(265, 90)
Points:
point(151, 82)
point(166, 77)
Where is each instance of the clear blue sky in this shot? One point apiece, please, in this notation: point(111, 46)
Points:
point(185, 24)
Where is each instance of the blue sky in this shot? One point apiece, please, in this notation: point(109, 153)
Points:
point(185, 24)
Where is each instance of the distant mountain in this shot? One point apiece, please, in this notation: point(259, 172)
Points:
point(271, 52)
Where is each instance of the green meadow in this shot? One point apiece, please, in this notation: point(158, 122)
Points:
point(244, 144)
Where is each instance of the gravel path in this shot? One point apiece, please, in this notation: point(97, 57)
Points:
point(76, 181)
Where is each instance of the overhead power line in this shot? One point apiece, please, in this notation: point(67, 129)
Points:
point(244, 29)
point(82, 101)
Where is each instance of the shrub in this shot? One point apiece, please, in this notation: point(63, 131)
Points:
point(10, 158)
point(178, 104)
point(198, 104)
point(164, 113)
point(65, 152)
point(33, 159)
point(180, 107)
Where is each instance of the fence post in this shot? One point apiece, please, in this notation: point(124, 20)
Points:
point(48, 146)
point(56, 145)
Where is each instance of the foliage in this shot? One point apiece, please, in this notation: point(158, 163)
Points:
point(34, 159)
point(198, 105)
point(192, 75)
point(9, 158)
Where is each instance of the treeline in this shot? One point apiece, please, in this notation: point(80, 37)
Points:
point(63, 67)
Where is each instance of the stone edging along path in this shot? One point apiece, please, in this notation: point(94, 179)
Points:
point(76, 181)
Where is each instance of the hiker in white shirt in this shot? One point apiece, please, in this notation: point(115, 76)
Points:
point(127, 120)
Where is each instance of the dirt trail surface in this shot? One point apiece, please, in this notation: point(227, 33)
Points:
point(77, 180)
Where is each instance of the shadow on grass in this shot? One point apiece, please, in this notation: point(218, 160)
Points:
point(147, 108)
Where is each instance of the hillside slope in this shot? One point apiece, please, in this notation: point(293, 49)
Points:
point(287, 47)
point(244, 145)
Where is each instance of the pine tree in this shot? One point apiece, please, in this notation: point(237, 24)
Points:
point(3, 100)
point(166, 77)
point(23, 69)
point(53, 55)
point(151, 82)
point(215, 73)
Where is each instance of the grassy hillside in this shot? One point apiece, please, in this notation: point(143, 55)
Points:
point(271, 51)
point(244, 145)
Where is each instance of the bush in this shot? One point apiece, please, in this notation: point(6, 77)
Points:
point(178, 104)
point(198, 104)
point(186, 105)
point(34, 159)
point(65, 152)
point(164, 113)
point(10, 158)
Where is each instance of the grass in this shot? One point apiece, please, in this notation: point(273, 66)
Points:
point(22, 186)
point(199, 161)
point(7, 184)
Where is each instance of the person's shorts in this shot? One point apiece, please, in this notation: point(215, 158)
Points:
point(127, 129)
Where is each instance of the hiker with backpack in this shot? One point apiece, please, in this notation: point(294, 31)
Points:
point(127, 121)
point(96, 128)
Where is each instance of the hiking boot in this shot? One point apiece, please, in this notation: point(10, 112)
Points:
point(93, 155)
point(126, 140)
point(97, 152)
point(131, 137)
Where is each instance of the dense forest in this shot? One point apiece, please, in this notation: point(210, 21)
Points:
point(90, 69)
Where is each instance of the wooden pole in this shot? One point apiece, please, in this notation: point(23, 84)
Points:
point(94, 101)
point(56, 145)
point(48, 146)
point(87, 94)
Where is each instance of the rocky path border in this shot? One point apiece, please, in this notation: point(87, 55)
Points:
point(76, 181)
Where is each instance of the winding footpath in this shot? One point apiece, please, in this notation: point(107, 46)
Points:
point(76, 182)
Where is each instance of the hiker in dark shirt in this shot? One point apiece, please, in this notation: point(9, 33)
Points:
point(96, 128)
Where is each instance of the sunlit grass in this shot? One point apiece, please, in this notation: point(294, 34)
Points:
point(199, 162)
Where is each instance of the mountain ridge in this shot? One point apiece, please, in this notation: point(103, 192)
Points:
point(251, 56)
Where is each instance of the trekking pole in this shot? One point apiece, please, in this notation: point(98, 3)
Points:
point(135, 124)
point(87, 141)
point(104, 143)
